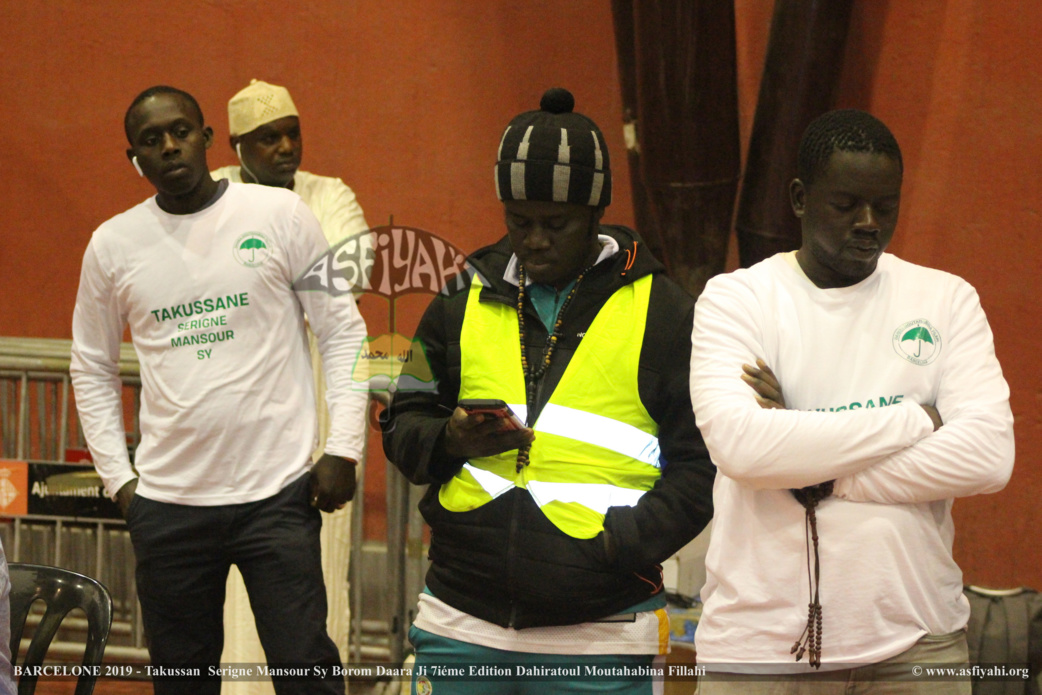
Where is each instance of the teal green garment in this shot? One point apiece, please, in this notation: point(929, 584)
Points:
point(652, 604)
point(445, 666)
point(548, 302)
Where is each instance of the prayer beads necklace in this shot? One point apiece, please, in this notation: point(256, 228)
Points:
point(532, 376)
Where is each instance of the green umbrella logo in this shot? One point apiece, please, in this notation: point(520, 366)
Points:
point(252, 249)
point(918, 342)
point(252, 244)
point(919, 334)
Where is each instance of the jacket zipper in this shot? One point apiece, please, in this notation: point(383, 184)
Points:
point(511, 585)
point(512, 534)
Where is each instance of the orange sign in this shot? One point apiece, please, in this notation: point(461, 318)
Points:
point(14, 488)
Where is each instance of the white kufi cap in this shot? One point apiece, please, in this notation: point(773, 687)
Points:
point(257, 104)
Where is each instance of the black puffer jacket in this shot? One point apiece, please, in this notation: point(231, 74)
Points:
point(505, 562)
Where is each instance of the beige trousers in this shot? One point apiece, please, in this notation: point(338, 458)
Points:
point(908, 673)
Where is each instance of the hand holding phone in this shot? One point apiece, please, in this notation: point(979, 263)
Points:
point(494, 408)
point(496, 431)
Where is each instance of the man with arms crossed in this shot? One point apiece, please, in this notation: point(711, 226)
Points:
point(875, 380)
point(203, 274)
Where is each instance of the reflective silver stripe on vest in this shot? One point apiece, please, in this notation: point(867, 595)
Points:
point(596, 496)
point(595, 429)
point(490, 482)
point(600, 431)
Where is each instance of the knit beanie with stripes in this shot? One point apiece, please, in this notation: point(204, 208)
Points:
point(554, 155)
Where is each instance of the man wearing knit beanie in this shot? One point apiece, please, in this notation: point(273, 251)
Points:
point(548, 532)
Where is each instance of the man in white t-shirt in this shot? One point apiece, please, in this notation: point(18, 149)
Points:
point(846, 397)
point(203, 275)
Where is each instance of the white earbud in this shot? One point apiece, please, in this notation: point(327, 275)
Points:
point(238, 153)
point(133, 160)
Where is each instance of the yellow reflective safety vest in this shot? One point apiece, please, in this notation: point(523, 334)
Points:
point(595, 445)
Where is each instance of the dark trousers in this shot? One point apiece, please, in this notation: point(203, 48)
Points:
point(184, 554)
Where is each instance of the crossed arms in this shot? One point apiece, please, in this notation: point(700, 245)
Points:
point(887, 455)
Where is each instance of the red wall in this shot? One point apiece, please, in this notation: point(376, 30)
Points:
point(960, 84)
point(406, 102)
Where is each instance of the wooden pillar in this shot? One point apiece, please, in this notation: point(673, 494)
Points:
point(800, 74)
point(687, 140)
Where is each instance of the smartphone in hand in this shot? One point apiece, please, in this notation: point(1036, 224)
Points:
point(496, 408)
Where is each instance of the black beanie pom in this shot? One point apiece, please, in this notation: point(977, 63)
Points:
point(557, 100)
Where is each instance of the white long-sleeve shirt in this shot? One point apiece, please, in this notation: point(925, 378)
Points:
point(227, 411)
point(854, 364)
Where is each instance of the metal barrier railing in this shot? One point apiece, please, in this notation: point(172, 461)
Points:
point(39, 426)
point(386, 577)
point(101, 549)
point(38, 524)
point(38, 420)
